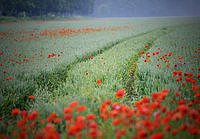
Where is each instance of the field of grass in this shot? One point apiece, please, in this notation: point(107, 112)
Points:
point(100, 78)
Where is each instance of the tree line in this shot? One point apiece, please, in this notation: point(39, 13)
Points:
point(46, 7)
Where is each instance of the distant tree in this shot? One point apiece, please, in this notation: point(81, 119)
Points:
point(45, 7)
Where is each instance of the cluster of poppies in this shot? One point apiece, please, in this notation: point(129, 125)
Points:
point(149, 117)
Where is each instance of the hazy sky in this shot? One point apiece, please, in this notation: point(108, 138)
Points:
point(147, 8)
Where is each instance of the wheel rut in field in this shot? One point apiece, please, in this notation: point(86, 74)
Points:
point(115, 55)
point(51, 80)
point(54, 80)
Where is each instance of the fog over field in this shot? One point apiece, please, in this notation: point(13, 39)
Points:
point(146, 8)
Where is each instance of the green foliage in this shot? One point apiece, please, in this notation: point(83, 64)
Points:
point(157, 74)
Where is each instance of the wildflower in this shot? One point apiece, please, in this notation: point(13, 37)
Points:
point(174, 131)
point(1, 53)
point(49, 132)
point(116, 122)
point(107, 102)
point(91, 117)
point(24, 113)
point(9, 78)
point(67, 110)
point(114, 113)
point(195, 87)
point(142, 52)
point(31, 97)
point(183, 127)
point(194, 114)
point(51, 117)
point(99, 82)
point(93, 125)
point(177, 94)
point(193, 130)
point(81, 108)
point(167, 128)
point(57, 120)
point(157, 136)
point(183, 109)
point(73, 104)
point(67, 116)
point(93, 133)
point(15, 112)
point(197, 95)
point(21, 123)
point(148, 55)
point(179, 79)
point(142, 134)
point(33, 115)
point(120, 133)
point(120, 93)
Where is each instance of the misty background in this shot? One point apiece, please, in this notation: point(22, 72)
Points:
point(100, 8)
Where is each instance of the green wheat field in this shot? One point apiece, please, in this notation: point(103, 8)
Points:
point(106, 78)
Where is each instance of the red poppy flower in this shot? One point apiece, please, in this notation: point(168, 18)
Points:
point(142, 52)
point(51, 117)
point(67, 110)
point(167, 128)
point(9, 78)
point(179, 79)
point(1, 53)
point(157, 136)
point(120, 133)
point(15, 111)
point(197, 95)
point(57, 120)
point(195, 87)
point(33, 115)
point(81, 108)
point(120, 93)
point(31, 97)
point(93, 125)
point(177, 94)
point(90, 116)
point(148, 55)
point(99, 82)
point(67, 116)
point(73, 104)
point(116, 122)
point(198, 75)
